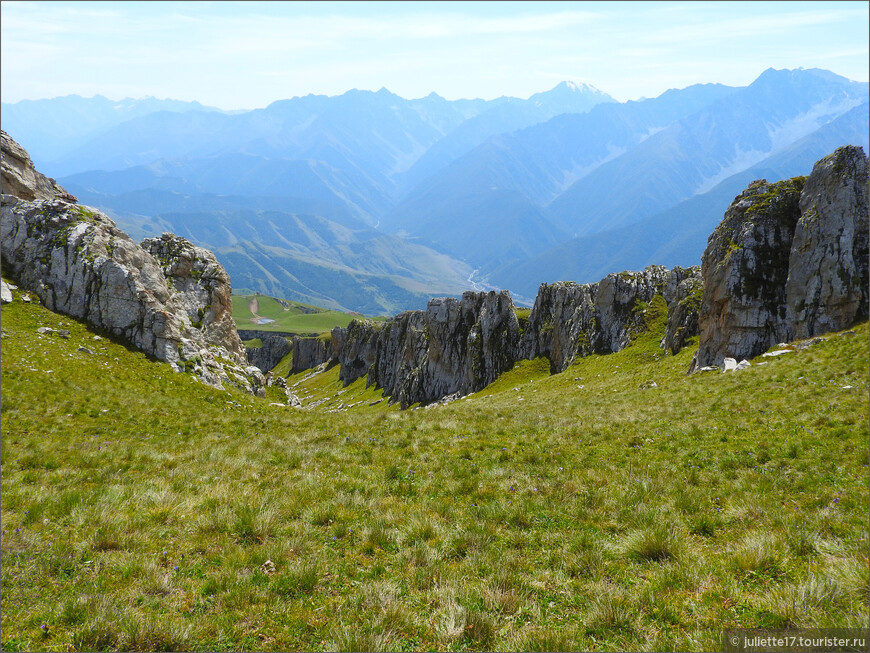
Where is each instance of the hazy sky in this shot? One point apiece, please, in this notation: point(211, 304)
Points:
point(244, 55)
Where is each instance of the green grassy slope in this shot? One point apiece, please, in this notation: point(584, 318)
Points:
point(291, 317)
point(583, 511)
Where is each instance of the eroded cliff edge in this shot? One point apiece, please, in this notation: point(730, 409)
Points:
point(458, 346)
point(165, 297)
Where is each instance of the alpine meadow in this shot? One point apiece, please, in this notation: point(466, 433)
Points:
point(357, 372)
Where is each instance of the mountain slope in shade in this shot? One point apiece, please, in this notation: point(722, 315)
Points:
point(526, 168)
point(678, 235)
point(497, 187)
point(307, 257)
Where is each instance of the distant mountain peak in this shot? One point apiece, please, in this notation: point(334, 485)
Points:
point(571, 95)
point(580, 87)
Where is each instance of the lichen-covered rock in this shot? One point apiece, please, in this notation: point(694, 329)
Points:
point(19, 178)
point(683, 294)
point(267, 356)
point(788, 261)
point(827, 281)
point(201, 288)
point(355, 347)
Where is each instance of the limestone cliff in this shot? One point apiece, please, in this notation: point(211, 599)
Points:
point(309, 352)
point(570, 320)
point(173, 304)
point(19, 177)
point(789, 260)
point(827, 283)
point(453, 347)
point(456, 347)
point(267, 356)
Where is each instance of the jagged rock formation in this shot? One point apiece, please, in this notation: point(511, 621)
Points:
point(570, 320)
point(788, 261)
point(174, 305)
point(19, 177)
point(309, 352)
point(267, 356)
point(456, 347)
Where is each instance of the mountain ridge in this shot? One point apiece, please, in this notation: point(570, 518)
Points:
point(492, 184)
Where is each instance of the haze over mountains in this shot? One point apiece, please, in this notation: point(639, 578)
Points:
point(370, 202)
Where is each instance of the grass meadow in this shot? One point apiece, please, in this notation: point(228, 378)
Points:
point(290, 317)
point(620, 505)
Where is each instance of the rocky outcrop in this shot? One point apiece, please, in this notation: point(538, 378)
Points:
point(173, 304)
point(201, 288)
point(269, 354)
point(827, 285)
point(788, 261)
point(310, 352)
point(19, 178)
point(456, 347)
point(570, 320)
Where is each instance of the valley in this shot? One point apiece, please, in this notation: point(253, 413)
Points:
point(263, 389)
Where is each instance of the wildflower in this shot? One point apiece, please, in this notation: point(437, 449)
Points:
point(175, 568)
point(44, 628)
point(164, 553)
point(17, 530)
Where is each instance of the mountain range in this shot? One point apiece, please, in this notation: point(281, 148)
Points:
point(370, 202)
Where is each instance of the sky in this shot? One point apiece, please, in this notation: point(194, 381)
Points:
point(245, 55)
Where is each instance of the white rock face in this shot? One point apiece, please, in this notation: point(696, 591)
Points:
point(5, 292)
